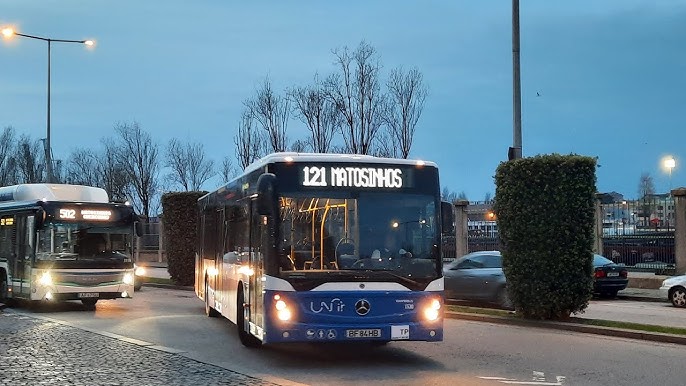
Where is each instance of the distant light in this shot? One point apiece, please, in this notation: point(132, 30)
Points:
point(127, 203)
point(670, 163)
point(7, 32)
point(89, 43)
point(288, 159)
point(395, 224)
point(420, 163)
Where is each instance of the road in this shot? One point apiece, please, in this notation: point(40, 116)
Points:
point(473, 353)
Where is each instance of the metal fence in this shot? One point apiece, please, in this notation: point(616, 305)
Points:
point(636, 233)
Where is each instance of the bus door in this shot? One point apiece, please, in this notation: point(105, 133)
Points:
point(24, 253)
point(258, 233)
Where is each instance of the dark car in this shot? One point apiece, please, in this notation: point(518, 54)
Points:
point(608, 276)
point(477, 276)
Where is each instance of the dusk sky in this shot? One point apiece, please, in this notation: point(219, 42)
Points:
point(611, 75)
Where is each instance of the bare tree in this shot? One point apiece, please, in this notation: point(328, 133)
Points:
point(271, 113)
point(29, 160)
point(248, 141)
point(300, 146)
point(488, 198)
point(8, 160)
point(356, 93)
point(406, 96)
point(448, 195)
point(82, 168)
point(189, 166)
point(113, 177)
point(646, 186)
point(318, 112)
point(228, 170)
point(139, 157)
point(385, 146)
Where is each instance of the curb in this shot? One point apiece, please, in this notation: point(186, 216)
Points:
point(639, 298)
point(575, 327)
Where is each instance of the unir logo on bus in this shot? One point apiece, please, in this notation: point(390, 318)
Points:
point(334, 305)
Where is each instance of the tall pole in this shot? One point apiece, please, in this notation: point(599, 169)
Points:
point(48, 155)
point(516, 85)
point(9, 32)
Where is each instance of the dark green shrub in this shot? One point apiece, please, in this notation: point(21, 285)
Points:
point(180, 217)
point(545, 212)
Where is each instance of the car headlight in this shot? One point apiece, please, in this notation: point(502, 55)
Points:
point(45, 279)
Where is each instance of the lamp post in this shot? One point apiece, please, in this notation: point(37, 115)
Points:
point(670, 163)
point(8, 33)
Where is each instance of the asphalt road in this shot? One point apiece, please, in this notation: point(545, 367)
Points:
point(473, 353)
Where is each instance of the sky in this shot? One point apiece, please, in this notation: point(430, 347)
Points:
point(603, 79)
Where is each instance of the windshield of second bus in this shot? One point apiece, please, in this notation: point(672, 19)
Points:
point(372, 231)
point(80, 241)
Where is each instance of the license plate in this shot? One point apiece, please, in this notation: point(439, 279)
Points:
point(612, 274)
point(363, 333)
point(89, 295)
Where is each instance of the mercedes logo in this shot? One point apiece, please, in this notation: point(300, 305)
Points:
point(362, 307)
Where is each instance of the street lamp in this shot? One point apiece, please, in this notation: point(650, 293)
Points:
point(669, 164)
point(8, 32)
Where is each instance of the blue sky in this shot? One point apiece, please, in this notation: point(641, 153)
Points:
point(610, 75)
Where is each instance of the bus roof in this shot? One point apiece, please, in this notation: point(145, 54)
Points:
point(329, 157)
point(53, 192)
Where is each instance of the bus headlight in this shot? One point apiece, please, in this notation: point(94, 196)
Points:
point(127, 279)
point(431, 312)
point(45, 279)
point(139, 271)
point(282, 311)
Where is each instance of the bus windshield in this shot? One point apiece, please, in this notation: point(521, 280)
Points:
point(65, 241)
point(365, 231)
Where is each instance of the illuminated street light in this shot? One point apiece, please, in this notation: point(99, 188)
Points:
point(9, 32)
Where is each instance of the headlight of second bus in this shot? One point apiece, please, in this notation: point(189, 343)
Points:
point(282, 311)
point(127, 279)
point(432, 310)
point(45, 279)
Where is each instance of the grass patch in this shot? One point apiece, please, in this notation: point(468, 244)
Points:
point(591, 322)
point(157, 280)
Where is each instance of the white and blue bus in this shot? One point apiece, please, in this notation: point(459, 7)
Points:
point(64, 242)
point(324, 248)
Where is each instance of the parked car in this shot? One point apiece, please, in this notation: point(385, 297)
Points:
point(674, 290)
point(139, 277)
point(477, 276)
point(608, 276)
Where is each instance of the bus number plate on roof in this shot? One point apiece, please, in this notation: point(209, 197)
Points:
point(363, 333)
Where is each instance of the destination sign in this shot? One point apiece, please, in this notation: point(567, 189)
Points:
point(351, 176)
point(84, 214)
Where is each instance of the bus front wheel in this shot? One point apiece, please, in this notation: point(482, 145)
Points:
point(246, 339)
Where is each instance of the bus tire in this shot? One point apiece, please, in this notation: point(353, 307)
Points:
point(89, 304)
point(246, 339)
point(209, 311)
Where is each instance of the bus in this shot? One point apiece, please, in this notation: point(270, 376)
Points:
point(325, 248)
point(64, 242)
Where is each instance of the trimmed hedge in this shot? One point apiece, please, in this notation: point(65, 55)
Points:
point(545, 213)
point(180, 216)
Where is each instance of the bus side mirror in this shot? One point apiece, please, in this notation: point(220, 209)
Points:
point(39, 218)
point(139, 228)
point(447, 217)
point(266, 194)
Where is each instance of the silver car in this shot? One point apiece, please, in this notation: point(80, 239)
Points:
point(477, 276)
